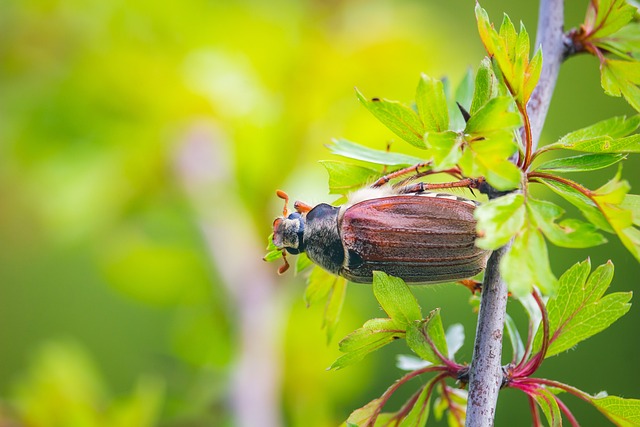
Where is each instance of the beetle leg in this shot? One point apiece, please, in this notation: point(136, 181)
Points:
point(421, 187)
point(473, 285)
point(284, 196)
point(284, 267)
point(301, 207)
point(412, 169)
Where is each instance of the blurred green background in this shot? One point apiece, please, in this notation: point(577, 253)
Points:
point(140, 146)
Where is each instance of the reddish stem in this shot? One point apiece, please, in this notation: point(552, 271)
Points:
point(392, 389)
point(453, 408)
point(566, 412)
point(533, 364)
point(535, 413)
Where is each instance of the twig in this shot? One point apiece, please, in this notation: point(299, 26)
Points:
point(485, 376)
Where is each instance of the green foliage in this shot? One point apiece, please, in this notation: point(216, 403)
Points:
point(323, 285)
point(611, 33)
point(398, 302)
point(510, 50)
point(580, 309)
point(351, 150)
point(63, 388)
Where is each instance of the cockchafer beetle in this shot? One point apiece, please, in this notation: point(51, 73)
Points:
point(419, 236)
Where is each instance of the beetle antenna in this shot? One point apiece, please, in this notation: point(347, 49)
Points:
point(285, 211)
point(284, 267)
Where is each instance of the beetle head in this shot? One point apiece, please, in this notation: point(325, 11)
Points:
point(288, 233)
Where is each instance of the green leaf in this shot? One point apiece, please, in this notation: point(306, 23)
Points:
point(527, 263)
point(570, 233)
point(607, 136)
point(622, 412)
point(346, 177)
point(547, 402)
point(486, 86)
point(609, 197)
point(631, 203)
point(351, 150)
point(499, 220)
point(374, 334)
point(620, 77)
point(414, 413)
point(605, 17)
point(615, 127)
point(579, 310)
point(427, 338)
point(399, 118)
point(444, 148)
point(511, 53)
point(419, 413)
point(432, 104)
point(302, 263)
point(494, 116)
point(582, 163)
point(396, 299)
point(490, 158)
point(586, 206)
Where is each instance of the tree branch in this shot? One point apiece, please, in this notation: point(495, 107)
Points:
point(485, 375)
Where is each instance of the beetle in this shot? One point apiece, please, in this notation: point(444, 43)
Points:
point(411, 233)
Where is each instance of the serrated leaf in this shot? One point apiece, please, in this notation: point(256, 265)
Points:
point(399, 118)
point(374, 334)
point(586, 206)
point(395, 298)
point(582, 163)
point(547, 402)
point(455, 339)
point(444, 149)
point(605, 17)
point(494, 116)
point(631, 203)
point(517, 346)
point(432, 104)
point(346, 177)
point(609, 197)
point(620, 77)
point(419, 413)
point(486, 86)
point(597, 137)
point(570, 233)
point(527, 264)
point(511, 52)
point(413, 414)
point(499, 220)
point(488, 158)
point(622, 412)
point(427, 338)
point(579, 310)
point(351, 150)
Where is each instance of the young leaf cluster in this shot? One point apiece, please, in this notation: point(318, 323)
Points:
point(611, 32)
